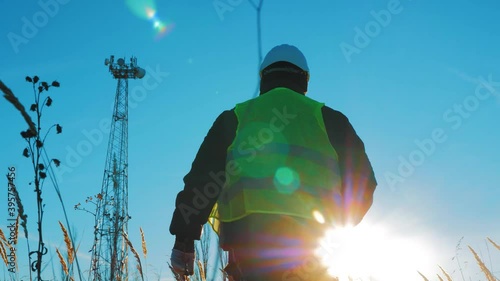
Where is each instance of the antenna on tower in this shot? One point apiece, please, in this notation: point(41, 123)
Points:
point(110, 250)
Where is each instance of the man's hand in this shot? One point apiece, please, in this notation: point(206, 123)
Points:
point(182, 262)
point(182, 258)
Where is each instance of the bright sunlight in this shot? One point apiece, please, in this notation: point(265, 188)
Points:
point(370, 252)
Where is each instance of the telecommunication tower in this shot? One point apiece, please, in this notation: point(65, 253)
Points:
point(110, 251)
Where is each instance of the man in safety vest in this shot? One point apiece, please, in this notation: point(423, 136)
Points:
point(270, 175)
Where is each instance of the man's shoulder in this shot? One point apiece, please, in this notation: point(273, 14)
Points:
point(228, 113)
point(330, 113)
point(226, 117)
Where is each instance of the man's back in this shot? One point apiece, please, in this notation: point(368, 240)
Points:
point(281, 244)
point(283, 162)
point(269, 176)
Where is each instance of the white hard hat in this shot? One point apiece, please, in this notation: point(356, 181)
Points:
point(286, 53)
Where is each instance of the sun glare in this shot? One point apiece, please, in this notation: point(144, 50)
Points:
point(371, 252)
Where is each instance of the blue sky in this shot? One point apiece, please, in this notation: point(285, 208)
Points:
point(414, 79)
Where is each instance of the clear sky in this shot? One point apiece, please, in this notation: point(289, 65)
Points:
point(419, 81)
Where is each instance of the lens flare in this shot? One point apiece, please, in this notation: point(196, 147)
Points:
point(286, 180)
point(146, 9)
point(160, 27)
point(318, 216)
point(150, 13)
point(141, 8)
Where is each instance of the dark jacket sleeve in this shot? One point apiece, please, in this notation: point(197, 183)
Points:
point(358, 178)
point(204, 182)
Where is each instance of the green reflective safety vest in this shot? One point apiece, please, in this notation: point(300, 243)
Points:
point(280, 162)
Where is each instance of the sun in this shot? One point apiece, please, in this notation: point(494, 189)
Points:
point(370, 252)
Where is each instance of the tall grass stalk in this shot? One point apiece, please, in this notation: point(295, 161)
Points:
point(2, 236)
point(143, 243)
point(448, 277)
point(144, 250)
point(202, 269)
point(63, 262)
point(67, 241)
point(69, 250)
point(258, 8)
point(68, 233)
point(10, 97)
point(457, 249)
point(483, 267)
point(3, 253)
point(423, 276)
point(493, 243)
point(136, 255)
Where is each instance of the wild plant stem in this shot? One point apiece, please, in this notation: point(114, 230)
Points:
point(58, 192)
point(460, 267)
point(258, 8)
point(38, 187)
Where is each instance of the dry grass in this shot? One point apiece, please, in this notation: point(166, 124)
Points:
point(494, 244)
point(176, 276)
point(2, 237)
point(124, 267)
point(423, 276)
point(69, 245)
point(202, 271)
point(483, 267)
point(9, 96)
point(5, 245)
point(448, 277)
point(3, 252)
point(66, 264)
point(143, 242)
point(136, 255)
point(63, 262)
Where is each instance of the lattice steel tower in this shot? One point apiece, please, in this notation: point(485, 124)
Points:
point(110, 251)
